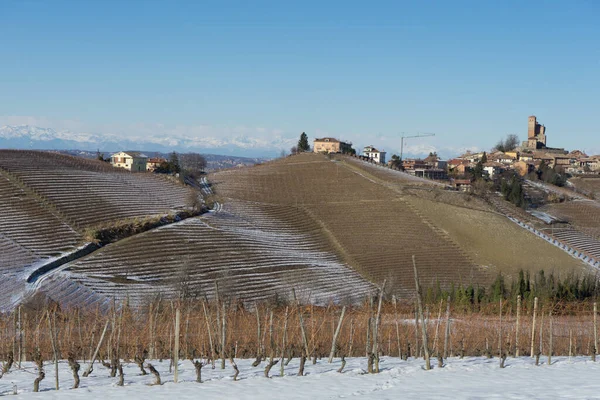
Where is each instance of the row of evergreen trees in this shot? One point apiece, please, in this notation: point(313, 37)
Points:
point(547, 287)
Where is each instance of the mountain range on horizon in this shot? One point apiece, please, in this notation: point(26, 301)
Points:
point(39, 138)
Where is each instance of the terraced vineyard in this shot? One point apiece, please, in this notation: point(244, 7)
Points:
point(584, 215)
point(29, 233)
point(373, 218)
point(48, 201)
point(330, 228)
point(88, 192)
point(253, 251)
point(590, 185)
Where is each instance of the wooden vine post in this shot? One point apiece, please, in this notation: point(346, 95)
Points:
point(595, 331)
point(420, 314)
point(335, 335)
point(301, 320)
point(550, 340)
point(93, 359)
point(397, 326)
point(517, 326)
point(376, 328)
point(223, 335)
point(535, 307)
point(447, 334)
point(176, 349)
point(52, 330)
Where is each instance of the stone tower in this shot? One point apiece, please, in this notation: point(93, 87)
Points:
point(536, 134)
point(531, 127)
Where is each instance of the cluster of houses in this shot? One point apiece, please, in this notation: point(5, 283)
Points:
point(524, 159)
point(524, 162)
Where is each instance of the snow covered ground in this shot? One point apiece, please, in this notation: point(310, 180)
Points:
point(469, 378)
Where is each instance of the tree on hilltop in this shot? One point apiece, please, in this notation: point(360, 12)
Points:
point(396, 162)
point(174, 163)
point(192, 164)
point(484, 158)
point(508, 144)
point(303, 143)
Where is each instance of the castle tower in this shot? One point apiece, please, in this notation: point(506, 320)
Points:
point(542, 135)
point(531, 131)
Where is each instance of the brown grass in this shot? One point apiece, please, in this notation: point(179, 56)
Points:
point(493, 241)
point(376, 219)
point(150, 328)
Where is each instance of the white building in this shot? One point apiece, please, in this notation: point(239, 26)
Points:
point(131, 160)
point(373, 154)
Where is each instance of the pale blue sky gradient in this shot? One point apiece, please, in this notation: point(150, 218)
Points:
point(470, 71)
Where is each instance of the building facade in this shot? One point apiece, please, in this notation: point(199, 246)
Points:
point(331, 145)
point(373, 154)
point(130, 160)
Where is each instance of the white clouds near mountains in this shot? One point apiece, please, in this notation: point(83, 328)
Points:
point(38, 132)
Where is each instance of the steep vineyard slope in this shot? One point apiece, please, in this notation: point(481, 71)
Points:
point(589, 185)
point(29, 233)
point(89, 192)
point(373, 228)
point(583, 215)
point(254, 251)
point(378, 218)
point(48, 201)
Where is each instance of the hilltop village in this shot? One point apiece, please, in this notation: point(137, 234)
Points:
point(509, 155)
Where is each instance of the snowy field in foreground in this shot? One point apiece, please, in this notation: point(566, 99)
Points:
point(466, 378)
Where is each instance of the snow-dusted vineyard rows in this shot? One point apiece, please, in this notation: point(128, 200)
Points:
point(48, 200)
point(254, 251)
point(88, 192)
point(374, 229)
point(29, 234)
point(585, 215)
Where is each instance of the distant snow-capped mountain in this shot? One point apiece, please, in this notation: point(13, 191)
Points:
point(33, 137)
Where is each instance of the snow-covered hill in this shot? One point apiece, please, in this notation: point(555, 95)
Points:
point(33, 137)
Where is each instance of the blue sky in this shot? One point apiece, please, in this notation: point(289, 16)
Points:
point(470, 71)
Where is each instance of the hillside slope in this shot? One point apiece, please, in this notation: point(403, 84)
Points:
point(49, 202)
point(332, 228)
point(379, 218)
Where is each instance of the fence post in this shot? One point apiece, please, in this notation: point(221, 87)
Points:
point(595, 330)
point(535, 307)
point(447, 335)
point(335, 335)
point(421, 316)
point(550, 343)
point(176, 350)
point(517, 326)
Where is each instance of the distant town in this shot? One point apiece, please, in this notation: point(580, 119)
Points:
point(530, 158)
point(510, 154)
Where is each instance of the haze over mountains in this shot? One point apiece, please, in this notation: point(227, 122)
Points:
point(38, 138)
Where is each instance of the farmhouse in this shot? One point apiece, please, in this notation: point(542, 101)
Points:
point(331, 145)
point(154, 163)
point(131, 160)
point(373, 154)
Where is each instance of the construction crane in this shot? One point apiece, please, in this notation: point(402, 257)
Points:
point(418, 135)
